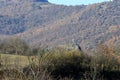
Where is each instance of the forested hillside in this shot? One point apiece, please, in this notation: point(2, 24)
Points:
point(41, 23)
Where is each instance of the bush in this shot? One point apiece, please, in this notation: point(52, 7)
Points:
point(67, 64)
point(14, 46)
point(61, 64)
point(106, 63)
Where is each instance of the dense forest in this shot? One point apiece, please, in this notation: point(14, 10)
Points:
point(44, 41)
point(42, 23)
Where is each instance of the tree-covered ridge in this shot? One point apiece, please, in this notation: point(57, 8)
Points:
point(48, 24)
point(24, 0)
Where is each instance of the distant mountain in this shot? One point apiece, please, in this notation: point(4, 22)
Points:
point(42, 23)
point(24, 0)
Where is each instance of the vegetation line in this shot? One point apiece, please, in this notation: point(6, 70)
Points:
point(27, 63)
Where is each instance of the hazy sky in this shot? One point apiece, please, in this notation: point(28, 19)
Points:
point(76, 2)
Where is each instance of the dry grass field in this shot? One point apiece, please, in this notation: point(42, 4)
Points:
point(12, 61)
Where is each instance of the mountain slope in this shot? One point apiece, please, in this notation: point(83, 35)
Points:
point(41, 23)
